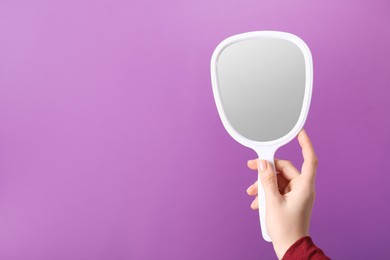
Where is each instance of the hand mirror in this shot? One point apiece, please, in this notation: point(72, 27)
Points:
point(262, 84)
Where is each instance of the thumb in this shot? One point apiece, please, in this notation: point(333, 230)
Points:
point(268, 180)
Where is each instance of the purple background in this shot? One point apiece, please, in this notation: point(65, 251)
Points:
point(111, 146)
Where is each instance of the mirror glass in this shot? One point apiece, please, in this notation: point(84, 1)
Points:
point(261, 84)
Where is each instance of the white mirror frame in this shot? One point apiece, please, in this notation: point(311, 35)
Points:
point(264, 150)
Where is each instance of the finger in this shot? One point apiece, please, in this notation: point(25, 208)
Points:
point(287, 169)
point(255, 204)
point(310, 160)
point(252, 164)
point(252, 190)
point(268, 180)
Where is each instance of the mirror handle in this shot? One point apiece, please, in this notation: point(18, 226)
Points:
point(265, 153)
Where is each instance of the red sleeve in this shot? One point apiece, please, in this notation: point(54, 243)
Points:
point(304, 249)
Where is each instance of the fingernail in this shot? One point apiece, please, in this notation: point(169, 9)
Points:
point(262, 165)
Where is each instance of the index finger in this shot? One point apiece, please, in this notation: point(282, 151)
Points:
point(310, 160)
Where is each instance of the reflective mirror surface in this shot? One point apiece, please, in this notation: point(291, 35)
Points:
point(262, 85)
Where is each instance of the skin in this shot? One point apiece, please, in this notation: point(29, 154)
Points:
point(289, 196)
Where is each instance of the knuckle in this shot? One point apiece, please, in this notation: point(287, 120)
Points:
point(309, 192)
point(315, 161)
point(312, 161)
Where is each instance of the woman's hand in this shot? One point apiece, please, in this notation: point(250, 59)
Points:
point(289, 196)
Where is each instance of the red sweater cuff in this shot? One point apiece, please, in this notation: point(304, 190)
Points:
point(304, 249)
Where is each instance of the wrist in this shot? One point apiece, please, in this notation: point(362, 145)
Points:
point(281, 248)
point(283, 245)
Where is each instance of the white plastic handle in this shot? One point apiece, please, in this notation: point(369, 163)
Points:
point(265, 154)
